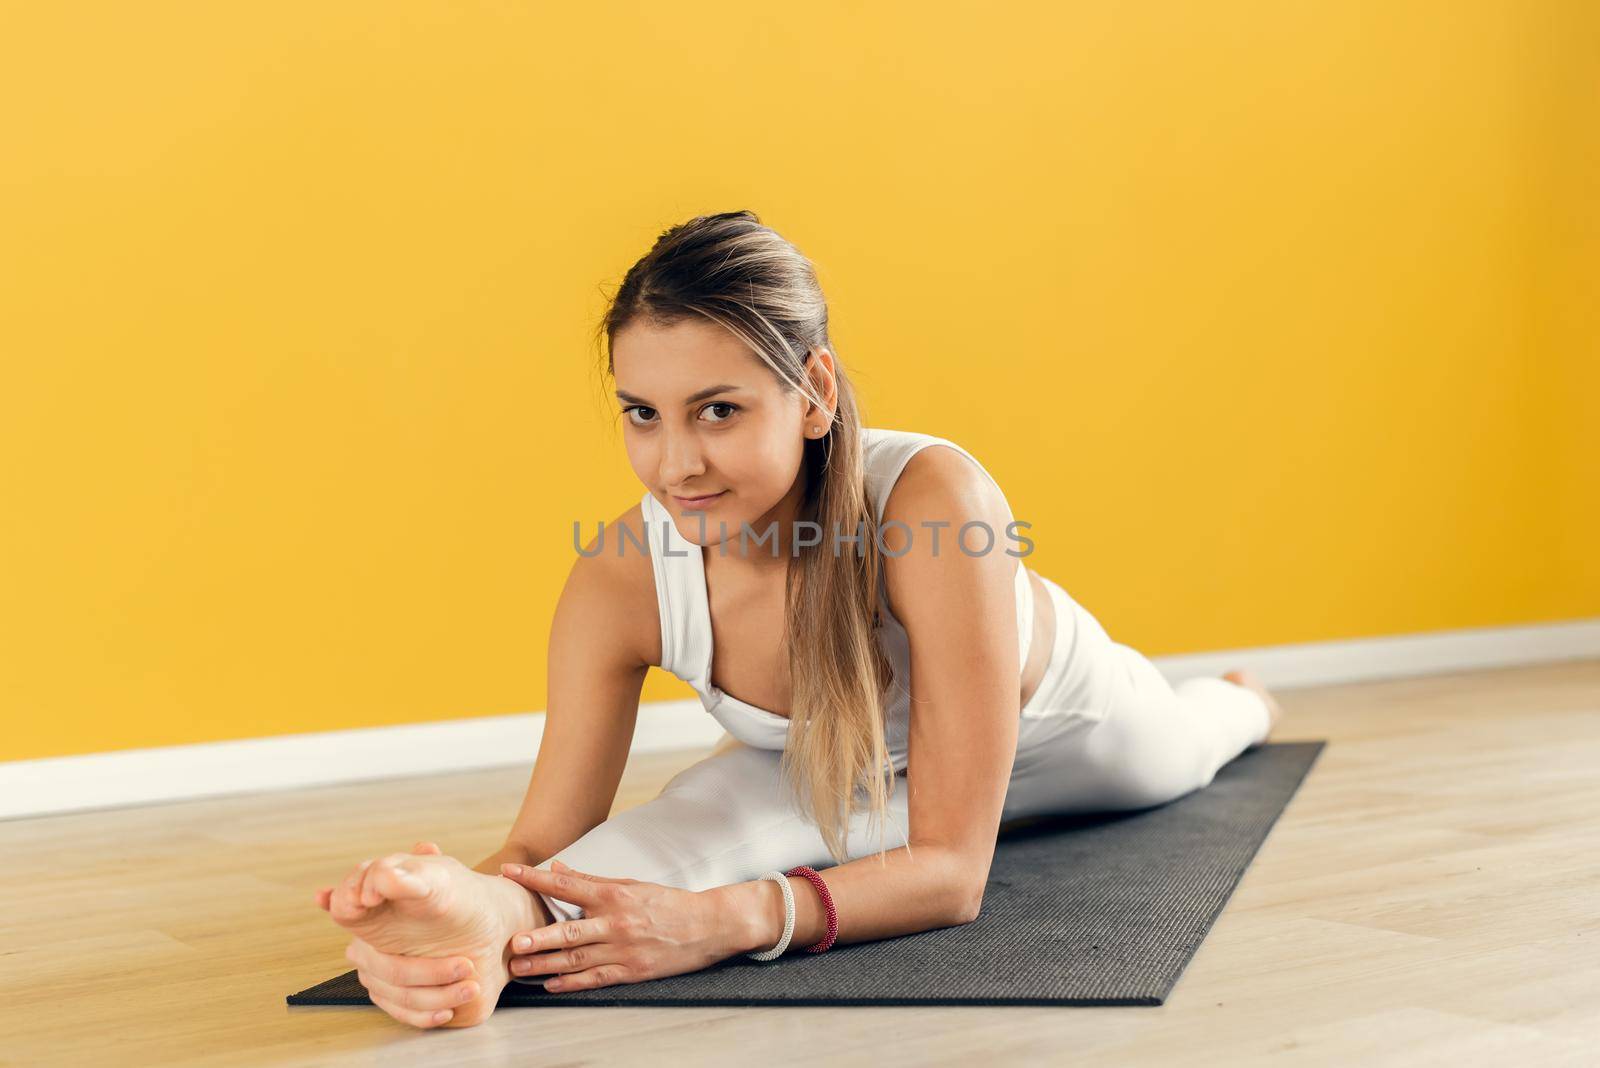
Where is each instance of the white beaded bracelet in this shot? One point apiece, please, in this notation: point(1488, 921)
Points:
point(788, 917)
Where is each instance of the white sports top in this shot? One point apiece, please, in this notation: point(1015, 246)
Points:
point(686, 616)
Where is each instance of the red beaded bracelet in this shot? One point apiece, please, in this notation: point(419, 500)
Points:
point(827, 903)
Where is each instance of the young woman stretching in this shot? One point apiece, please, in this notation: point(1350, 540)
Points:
point(883, 643)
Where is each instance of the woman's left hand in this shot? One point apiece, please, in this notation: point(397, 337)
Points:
point(630, 931)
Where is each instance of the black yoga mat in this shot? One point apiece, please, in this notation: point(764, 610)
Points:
point(1080, 910)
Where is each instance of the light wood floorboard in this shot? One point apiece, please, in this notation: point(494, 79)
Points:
point(1429, 897)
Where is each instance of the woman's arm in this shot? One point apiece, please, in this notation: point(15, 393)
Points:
point(510, 853)
point(604, 636)
point(874, 900)
point(960, 613)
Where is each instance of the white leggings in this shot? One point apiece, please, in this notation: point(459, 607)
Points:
point(1104, 732)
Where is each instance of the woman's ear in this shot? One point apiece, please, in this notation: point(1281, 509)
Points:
point(821, 369)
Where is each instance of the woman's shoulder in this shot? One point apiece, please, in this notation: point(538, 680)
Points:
point(612, 585)
point(906, 470)
point(943, 481)
point(927, 513)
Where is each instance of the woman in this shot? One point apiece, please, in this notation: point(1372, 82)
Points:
point(886, 580)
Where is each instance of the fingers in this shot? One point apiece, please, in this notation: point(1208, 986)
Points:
point(415, 1017)
point(566, 885)
point(420, 991)
point(552, 964)
point(568, 962)
point(564, 868)
point(563, 935)
point(425, 1000)
point(397, 970)
point(426, 848)
point(323, 896)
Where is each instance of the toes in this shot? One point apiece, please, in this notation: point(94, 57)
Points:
point(345, 905)
point(393, 880)
point(371, 893)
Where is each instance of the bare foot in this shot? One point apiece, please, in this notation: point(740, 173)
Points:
point(1248, 680)
point(435, 906)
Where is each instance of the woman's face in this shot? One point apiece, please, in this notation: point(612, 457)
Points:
point(702, 415)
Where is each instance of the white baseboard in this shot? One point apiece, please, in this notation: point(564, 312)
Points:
point(1397, 656)
point(251, 765)
point(186, 772)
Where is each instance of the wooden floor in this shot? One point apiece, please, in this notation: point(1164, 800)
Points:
point(1431, 896)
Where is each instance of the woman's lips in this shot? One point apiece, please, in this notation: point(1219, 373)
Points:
point(697, 502)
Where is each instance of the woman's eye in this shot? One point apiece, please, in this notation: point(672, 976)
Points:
point(643, 420)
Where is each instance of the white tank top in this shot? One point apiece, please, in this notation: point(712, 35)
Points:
point(686, 645)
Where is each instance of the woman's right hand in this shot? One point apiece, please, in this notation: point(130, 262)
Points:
point(414, 989)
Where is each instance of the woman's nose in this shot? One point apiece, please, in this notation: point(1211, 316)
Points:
point(681, 459)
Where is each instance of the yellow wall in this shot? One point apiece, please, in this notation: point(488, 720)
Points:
point(1565, 282)
point(1275, 313)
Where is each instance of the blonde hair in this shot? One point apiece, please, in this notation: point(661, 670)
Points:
point(741, 275)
